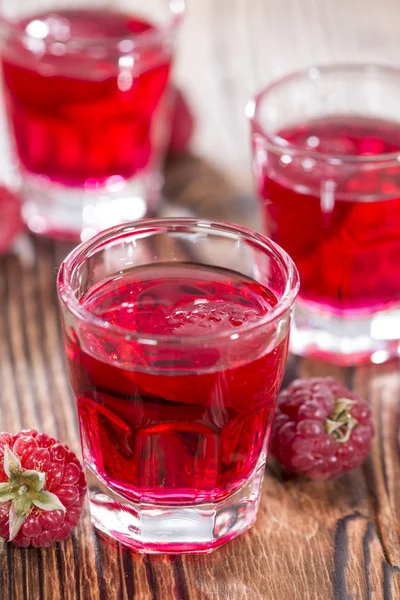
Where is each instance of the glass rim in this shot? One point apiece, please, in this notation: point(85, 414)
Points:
point(138, 40)
point(278, 144)
point(80, 253)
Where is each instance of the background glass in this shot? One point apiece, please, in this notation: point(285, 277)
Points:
point(176, 387)
point(326, 146)
point(86, 93)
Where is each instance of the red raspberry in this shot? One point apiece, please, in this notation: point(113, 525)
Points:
point(321, 428)
point(42, 489)
point(11, 218)
point(182, 124)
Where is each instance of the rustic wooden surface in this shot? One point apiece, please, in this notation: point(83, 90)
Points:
point(313, 541)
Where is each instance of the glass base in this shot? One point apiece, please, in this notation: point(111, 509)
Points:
point(171, 529)
point(347, 339)
point(64, 212)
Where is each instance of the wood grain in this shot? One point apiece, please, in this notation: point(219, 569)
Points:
point(313, 541)
point(338, 540)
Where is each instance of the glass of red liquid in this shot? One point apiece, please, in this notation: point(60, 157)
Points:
point(176, 334)
point(87, 99)
point(326, 151)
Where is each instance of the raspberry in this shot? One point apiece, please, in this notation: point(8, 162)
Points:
point(42, 489)
point(182, 124)
point(11, 219)
point(321, 429)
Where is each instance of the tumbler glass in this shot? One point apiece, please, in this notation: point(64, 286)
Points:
point(176, 334)
point(326, 148)
point(87, 100)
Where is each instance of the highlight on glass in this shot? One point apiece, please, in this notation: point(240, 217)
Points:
point(176, 335)
point(326, 151)
point(87, 101)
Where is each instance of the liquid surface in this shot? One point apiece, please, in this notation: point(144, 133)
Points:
point(341, 224)
point(79, 119)
point(179, 300)
point(184, 426)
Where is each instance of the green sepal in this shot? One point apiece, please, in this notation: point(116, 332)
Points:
point(6, 492)
point(24, 489)
point(48, 501)
point(12, 464)
point(19, 511)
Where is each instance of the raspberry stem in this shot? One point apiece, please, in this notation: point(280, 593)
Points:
point(25, 489)
point(341, 423)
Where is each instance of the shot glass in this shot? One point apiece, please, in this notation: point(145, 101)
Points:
point(176, 334)
point(326, 153)
point(87, 102)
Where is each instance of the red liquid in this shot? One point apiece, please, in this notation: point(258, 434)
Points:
point(81, 118)
point(347, 252)
point(176, 425)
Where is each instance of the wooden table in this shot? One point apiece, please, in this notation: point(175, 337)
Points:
point(312, 541)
